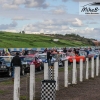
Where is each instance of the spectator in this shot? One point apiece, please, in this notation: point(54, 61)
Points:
point(23, 52)
point(16, 62)
point(3, 52)
point(87, 52)
point(0, 53)
point(8, 54)
point(9, 50)
point(26, 52)
point(64, 50)
point(45, 50)
point(49, 57)
point(74, 50)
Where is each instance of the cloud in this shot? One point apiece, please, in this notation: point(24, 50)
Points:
point(89, 32)
point(59, 11)
point(62, 27)
point(13, 4)
point(19, 18)
point(18, 2)
point(64, 0)
point(54, 26)
point(11, 30)
point(92, 22)
point(77, 23)
point(10, 6)
point(86, 0)
point(36, 3)
point(8, 26)
point(46, 26)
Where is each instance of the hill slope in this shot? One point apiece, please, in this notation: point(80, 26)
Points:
point(17, 40)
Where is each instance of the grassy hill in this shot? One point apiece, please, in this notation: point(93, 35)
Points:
point(17, 40)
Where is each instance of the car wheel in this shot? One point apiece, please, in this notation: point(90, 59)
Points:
point(39, 69)
point(23, 72)
point(42, 65)
point(69, 63)
point(62, 63)
point(77, 62)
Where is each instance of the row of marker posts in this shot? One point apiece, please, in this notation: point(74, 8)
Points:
point(31, 85)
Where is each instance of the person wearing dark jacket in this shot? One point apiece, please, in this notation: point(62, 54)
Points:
point(16, 62)
point(49, 57)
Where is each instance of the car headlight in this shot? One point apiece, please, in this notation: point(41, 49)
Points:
point(3, 66)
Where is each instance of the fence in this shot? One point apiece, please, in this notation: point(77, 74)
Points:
point(78, 73)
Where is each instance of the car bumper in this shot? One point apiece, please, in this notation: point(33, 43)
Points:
point(3, 70)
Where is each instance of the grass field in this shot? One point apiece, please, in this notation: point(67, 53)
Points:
point(16, 40)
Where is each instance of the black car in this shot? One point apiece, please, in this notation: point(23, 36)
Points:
point(5, 68)
point(5, 65)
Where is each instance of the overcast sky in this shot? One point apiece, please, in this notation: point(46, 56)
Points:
point(48, 16)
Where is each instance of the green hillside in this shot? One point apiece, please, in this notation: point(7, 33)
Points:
point(17, 40)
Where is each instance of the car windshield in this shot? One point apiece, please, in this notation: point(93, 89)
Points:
point(28, 58)
point(42, 56)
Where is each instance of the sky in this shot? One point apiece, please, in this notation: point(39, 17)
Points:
point(48, 16)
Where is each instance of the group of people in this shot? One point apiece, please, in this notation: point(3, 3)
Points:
point(5, 52)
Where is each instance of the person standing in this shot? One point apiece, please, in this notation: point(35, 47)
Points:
point(49, 57)
point(16, 62)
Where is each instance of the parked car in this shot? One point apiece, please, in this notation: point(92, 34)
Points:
point(30, 59)
point(71, 56)
point(93, 54)
point(82, 53)
point(5, 68)
point(43, 59)
point(61, 58)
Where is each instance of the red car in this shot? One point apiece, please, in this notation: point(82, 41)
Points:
point(71, 56)
point(31, 59)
